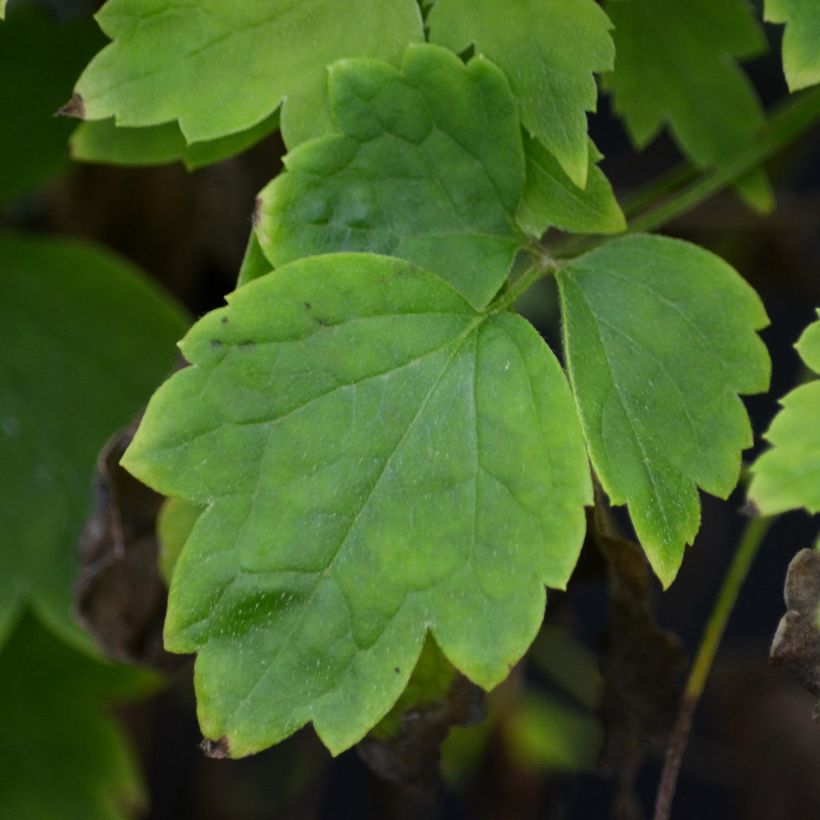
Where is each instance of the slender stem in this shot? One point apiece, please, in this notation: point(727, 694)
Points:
point(747, 549)
point(543, 266)
point(656, 191)
point(795, 117)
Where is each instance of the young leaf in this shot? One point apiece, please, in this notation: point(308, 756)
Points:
point(102, 141)
point(377, 460)
point(429, 167)
point(801, 39)
point(176, 60)
point(39, 57)
point(548, 49)
point(61, 756)
point(660, 338)
point(787, 475)
point(551, 199)
point(83, 341)
point(675, 66)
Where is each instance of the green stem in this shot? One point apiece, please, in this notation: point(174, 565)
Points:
point(793, 118)
point(543, 266)
point(747, 549)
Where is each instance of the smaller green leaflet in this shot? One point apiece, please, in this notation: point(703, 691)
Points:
point(552, 200)
point(85, 339)
point(801, 40)
point(676, 66)
point(177, 60)
point(549, 50)
point(660, 340)
point(428, 167)
point(61, 756)
point(377, 460)
point(101, 141)
point(787, 476)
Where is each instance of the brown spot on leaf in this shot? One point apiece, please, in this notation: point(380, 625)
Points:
point(120, 597)
point(216, 749)
point(796, 644)
point(75, 107)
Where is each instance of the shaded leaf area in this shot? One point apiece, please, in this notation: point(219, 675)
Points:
point(120, 597)
point(175, 522)
point(101, 141)
point(173, 60)
point(84, 339)
point(381, 490)
point(549, 50)
point(796, 644)
point(429, 167)
point(254, 262)
point(676, 66)
point(656, 363)
point(61, 756)
point(405, 746)
point(39, 58)
point(787, 475)
point(642, 665)
point(801, 53)
point(551, 199)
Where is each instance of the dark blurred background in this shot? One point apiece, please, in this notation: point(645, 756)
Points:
point(557, 743)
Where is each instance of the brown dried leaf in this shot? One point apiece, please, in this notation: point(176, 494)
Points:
point(796, 644)
point(120, 597)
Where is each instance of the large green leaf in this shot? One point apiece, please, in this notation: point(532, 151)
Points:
point(220, 68)
point(83, 341)
point(39, 58)
point(787, 475)
point(801, 40)
point(660, 339)
point(429, 167)
point(61, 756)
point(549, 50)
point(675, 66)
point(377, 460)
point(102, 141)
point(551, 199)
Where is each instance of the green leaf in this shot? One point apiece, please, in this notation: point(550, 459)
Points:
point(2, 9)
point(102, 141)
point(551, 199)
point(254, 262)
point(175, 522)
point(377, 460)
point(429, 167)
point(660, 339)
point(675, 67)
point(83, 341)
point(39, 57)
point(548, 50)
point(220, 68)
point(801, 39)
point(61, 756)
point(787, 476)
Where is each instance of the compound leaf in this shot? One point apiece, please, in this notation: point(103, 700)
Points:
point(61, 756)
point(675, 66)
point(551, 199)
point(176, 60)
point(101, 141)
point(377, 460)
point(801, 39)
point(429, 167)
point(787, 475)
point(660, 339)
point(549, 50)
point(83, 341)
